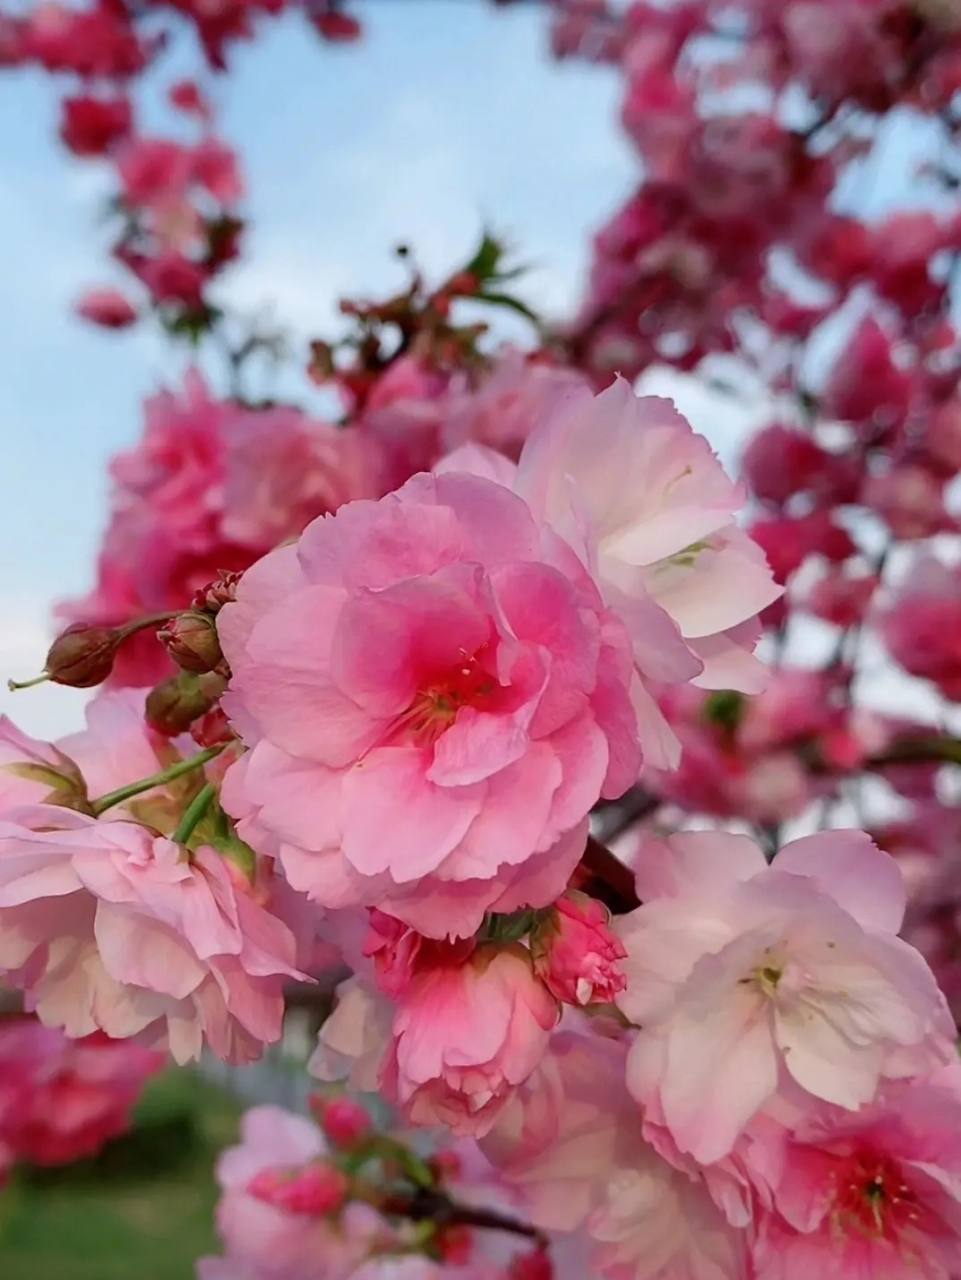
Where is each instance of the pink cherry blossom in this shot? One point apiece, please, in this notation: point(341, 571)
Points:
point(876, 1193)
point(570, 1142)
point(921, 625)
point(433, 699)
point(647, 504)
point(575, 953)
point(212, 487)
point(267, 1242)
point(62, 1100)
point(471, 1026)
point(105, 925)
point(737, 971)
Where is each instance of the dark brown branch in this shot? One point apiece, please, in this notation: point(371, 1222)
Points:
point(608, 879)
point(425, 1205)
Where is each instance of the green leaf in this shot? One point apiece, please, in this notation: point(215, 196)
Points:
point(512, 303)
point(486, 260)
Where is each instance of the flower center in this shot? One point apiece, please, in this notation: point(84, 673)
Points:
point(434, 708)
point(872, 1198)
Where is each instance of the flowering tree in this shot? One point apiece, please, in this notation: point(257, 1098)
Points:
point(369, 686)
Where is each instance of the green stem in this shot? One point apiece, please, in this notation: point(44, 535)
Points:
point(158, 780)
point(194, 813)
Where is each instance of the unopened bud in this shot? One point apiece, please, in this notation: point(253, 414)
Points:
point(191, 640)
point(83, 655)
point(212, 729)
point(345, 1122)
point(532, 1266)
point(174, 705)
point(446, 1166)
point(455, 1245)
point(313, 1190)
point(212, 597)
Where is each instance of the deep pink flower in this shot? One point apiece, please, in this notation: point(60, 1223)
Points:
point(575, 953)
point(61, 1100)
point(921, 625)
point(738, 971)
point(434, 698)
point(471, 1027)
point(154, 171)
point(105, 925)
point(91, 126)
point(211, 487)
point(781, 461)
point(394, 948)
point(875, 1194)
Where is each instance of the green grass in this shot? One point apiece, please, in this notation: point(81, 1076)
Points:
point(142, 1211)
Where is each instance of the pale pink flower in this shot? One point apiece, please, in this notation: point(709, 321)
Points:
point(266, 1242)
point(575, 953)
point(569, 1141)
point(434, 699)
point(353, 1040)
point(106, 926)
point(508, 403)
point(738, 971)
point(471, 1026)
point(876, 1194)
point(648, 507)
point(62, 1100)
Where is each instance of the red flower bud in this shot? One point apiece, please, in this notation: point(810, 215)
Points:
point(455, 1245)
point(346, 1123)
point(314, 1190)
point(212, 597)
point(174, 705)
point(212, 729)
point(532, 1266)
point(191, 640)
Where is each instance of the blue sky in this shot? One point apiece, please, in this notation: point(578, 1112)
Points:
point(448, 115)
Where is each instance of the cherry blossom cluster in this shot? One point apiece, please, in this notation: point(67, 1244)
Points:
point(749, 251)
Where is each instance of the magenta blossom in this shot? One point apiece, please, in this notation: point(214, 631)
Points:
point(434, 697)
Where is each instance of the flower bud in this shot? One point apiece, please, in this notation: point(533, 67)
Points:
point(532, 1266)
point(345, 1122)
point(455, 1245)
point(174, 705)
point(212, 729)
point(314, 1190)
point(212, 597)
point(83, 655)
point(191, 640)
point(576, 954)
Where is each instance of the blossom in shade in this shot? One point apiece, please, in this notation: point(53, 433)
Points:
point(738, 972)
point(434, 696)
